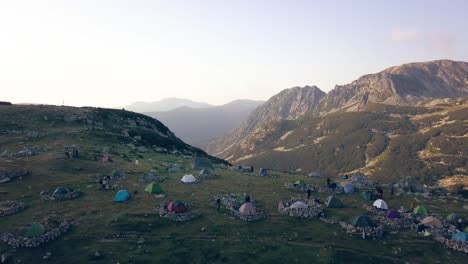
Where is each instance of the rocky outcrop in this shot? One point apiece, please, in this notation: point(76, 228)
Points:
point(25, 152)
point(51, 195)
point(55, 227)
point(11, 207)
point(152, 176)
point(9, 175)
point(312, 211)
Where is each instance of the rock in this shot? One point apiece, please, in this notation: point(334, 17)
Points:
point(97, 254)
point(7, 179)
point(159, 196)
point(203, 229)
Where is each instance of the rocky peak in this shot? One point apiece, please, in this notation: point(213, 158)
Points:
point(405, 85)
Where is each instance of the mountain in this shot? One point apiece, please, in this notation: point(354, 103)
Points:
point(90, 227)
point(166, 104)
point(406, 85)
point(288, 104)
point(389, 125)
point(198, 125)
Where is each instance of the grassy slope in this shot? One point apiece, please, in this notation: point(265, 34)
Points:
point(116, 229)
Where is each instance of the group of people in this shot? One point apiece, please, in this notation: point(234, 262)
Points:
point(73, 150)
point(104, 183)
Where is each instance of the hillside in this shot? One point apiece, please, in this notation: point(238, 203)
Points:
point(199, 125)
point(383, 124)
point(103, 231)
point(166, 104)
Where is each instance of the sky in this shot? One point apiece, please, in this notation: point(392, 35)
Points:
point(113, 53)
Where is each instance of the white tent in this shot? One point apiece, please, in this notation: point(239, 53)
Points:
point(188, 179)
point(380, 204)
point(298, 204)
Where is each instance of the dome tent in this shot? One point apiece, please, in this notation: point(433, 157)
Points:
point(35, 230)
point(392, 214)
point(362, 221)
point(460, 236)
point(153, 187)
point(176, 206)
point(188, 179)
point(122, 196)
point(431, 221)
point(299, 182)
point(452, 218)
point(247, 208)
point(420, 210)
point(380, 204)
point(368, 195)
point(299, 204)
point(333, 202)
point(61, 191)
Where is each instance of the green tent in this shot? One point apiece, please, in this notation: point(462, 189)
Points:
point(153, 188)
point(333, 202)
point(452, 218)
point(299, 182)
point(420, 210)
point(368, 195)
point(362, 221)
point(35, 230)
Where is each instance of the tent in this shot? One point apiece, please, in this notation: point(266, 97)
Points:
point(368, 195)
point(362, 221)
point(61, 191)
point(460, 236)
point(153, 188)
point(452, 218)
point(247, 208)
point(199, 163)
point(465, 230)
point(380, 204)
point(299, 182)
point(421, 210)
point(392, 214)
point(333, 202)
point(298, 204)
point(35, 230)
point(431, 221)
point(348, 188)
point(263, 172)
point(122, 196)
point(188, 179)
point(176, 206)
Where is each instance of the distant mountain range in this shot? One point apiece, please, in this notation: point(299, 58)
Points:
point(198, 125)
point(386, 124)
point(166, 104)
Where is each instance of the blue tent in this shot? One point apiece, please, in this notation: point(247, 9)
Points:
point(349, 188)
point(122, 196)
point(460, 236)
point(263, 172)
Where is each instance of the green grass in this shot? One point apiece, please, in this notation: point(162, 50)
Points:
point(133, 232)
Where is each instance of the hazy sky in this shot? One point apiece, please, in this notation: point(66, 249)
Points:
point(112, 53)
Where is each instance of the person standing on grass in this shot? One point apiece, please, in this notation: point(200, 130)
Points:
point(309, 192)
